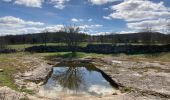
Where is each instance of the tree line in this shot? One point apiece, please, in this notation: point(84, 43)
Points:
point(72, 36)
point(62, 37)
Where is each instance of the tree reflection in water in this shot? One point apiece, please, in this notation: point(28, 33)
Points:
point(71, 76)
point(75, 78)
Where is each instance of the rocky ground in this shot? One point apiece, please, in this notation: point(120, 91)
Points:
point(138, 80)
point(150, 79)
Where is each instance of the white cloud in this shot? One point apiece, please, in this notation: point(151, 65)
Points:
point(60, 4)
point(54, 28)
point(7, 0)
point(76, 20)
point(26, 30)
point(126, 32)
point(101, 2)
point(83, 28)
point(11, 32)
point(50, 28)
point(81, 20)
point(140, 14)
point(106, 17)
point(106, 8)
point(30, 3)
point(89, 20)
point(90, 26)
point(89, 29)
point(14, 25)
point(13, 22)
point(154, 25)
point(102, 33)
point(135, 10)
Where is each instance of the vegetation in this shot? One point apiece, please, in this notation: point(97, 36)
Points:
point(3, 43)
point(6, 75)
point(11, 64)
point(65, 36)
point(72, 37)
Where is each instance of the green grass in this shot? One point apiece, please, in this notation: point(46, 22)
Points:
point(126, 89)
point(83, 44)
point(7, 80)
point(10, 66)
point(20, 47)
point(29, 91)
point(50, 56)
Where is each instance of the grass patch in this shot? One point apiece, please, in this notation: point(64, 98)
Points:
point(24, 98)
point(6, 77)
point(7, 80)
point(126, 89)
point(65, 55)
point(162, 57)
point(51, 56)
point(29, 91)
point(10, 64)
point(21, 47)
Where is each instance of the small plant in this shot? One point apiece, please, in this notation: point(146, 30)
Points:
point(25, 98)
point(29, 91)
point(126, 89)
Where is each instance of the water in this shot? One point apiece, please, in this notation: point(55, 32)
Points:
point(76, 79)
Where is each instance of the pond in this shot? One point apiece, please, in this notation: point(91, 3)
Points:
point(74, 78)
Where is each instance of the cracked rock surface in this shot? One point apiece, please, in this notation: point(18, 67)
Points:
point(146, 78)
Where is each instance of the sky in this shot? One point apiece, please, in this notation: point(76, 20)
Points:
point(92, 16)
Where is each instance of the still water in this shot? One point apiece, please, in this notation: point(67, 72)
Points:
point(75, 78)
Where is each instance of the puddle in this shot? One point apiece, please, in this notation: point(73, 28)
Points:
point(76, 79)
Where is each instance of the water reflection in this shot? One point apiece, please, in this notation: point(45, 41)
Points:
point(69, 77)
point(77, 78)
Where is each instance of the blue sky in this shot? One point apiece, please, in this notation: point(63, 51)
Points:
point(92, 16)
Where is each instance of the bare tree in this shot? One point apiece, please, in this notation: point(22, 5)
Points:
point(148, 29)
point(45, 34)
point(72, 37)
point(168, 32)
point(168, 28)
point(148, 38)
point(3, 43)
